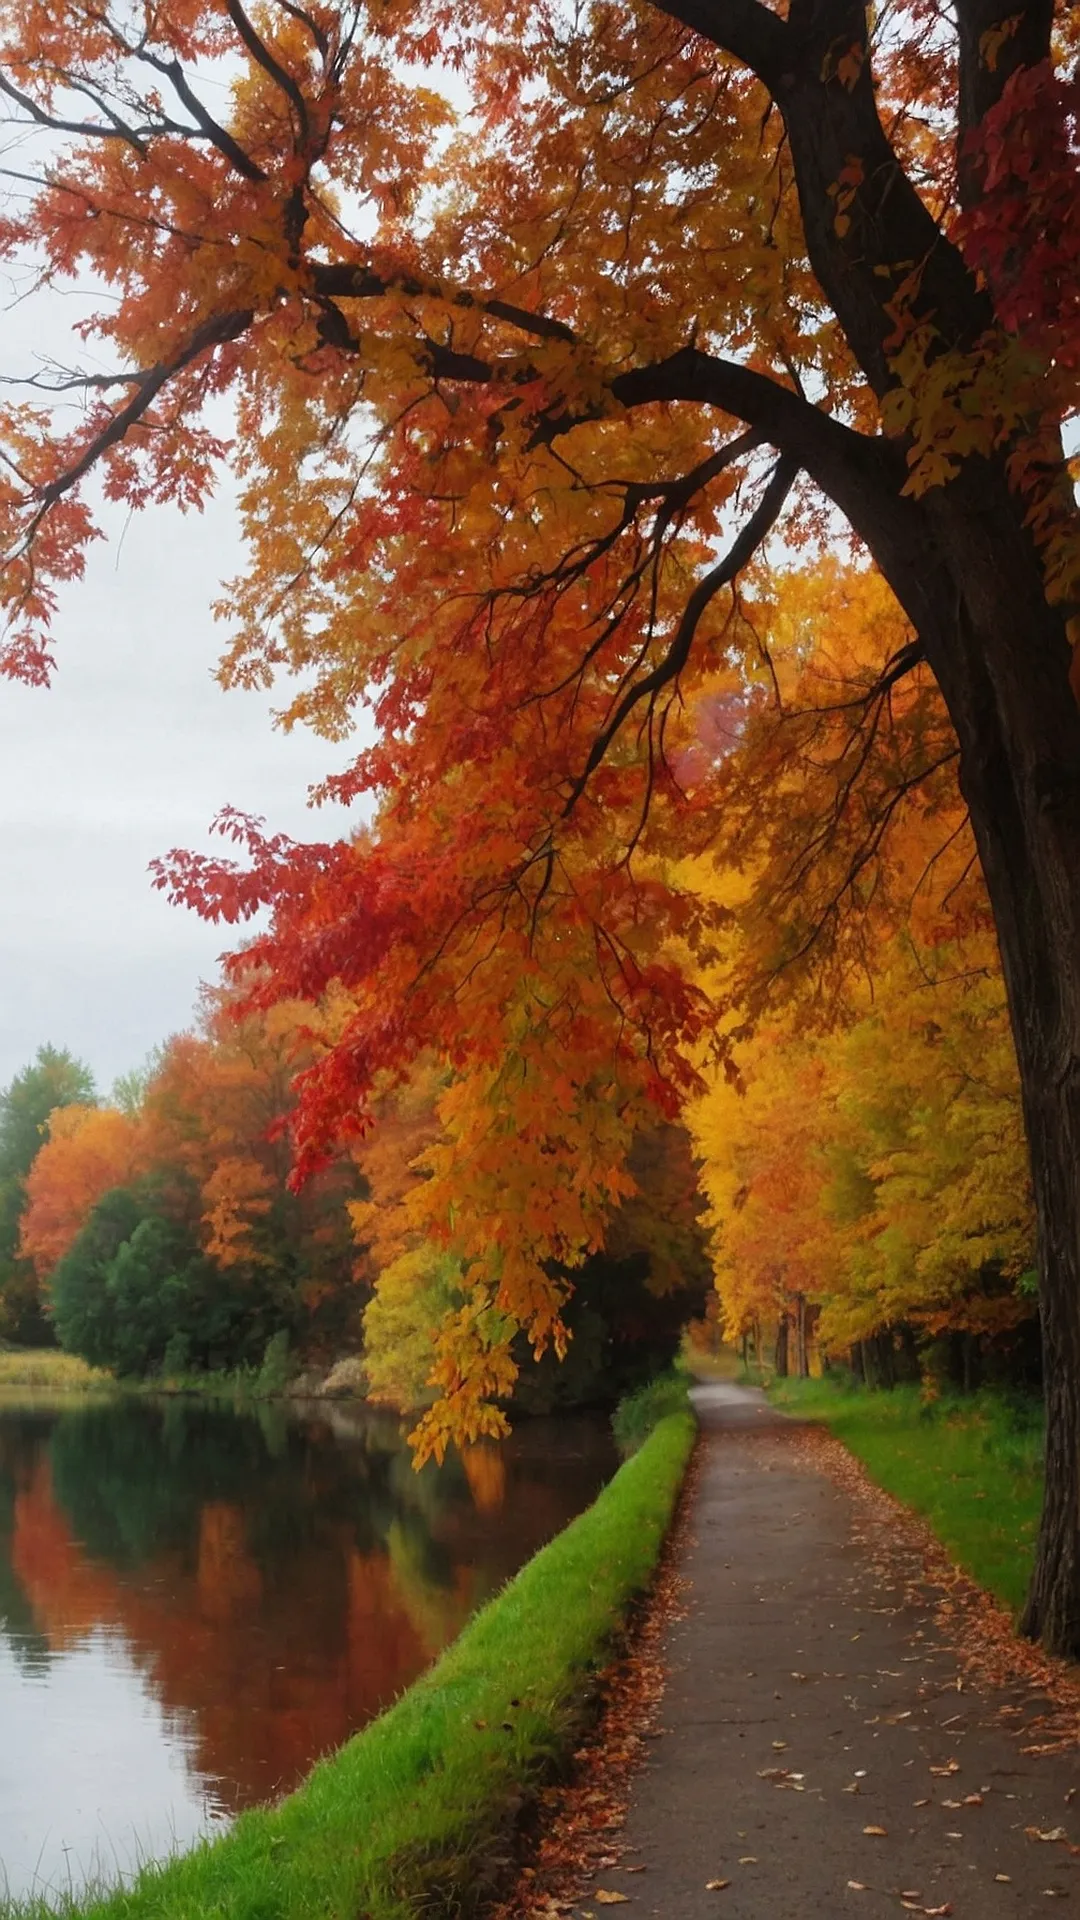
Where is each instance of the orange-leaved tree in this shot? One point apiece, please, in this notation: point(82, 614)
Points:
point(87, 1152)
point(519, 390)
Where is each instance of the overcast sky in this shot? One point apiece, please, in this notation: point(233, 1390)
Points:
point(132, 751)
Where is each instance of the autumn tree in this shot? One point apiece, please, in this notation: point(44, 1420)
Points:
point(516, 403)
point(213, 1112)
point(55, 1079)
point(623, 1308)
point(87, 1151)
point(876, 1172)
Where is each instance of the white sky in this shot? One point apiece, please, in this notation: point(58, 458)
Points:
point(132, 751)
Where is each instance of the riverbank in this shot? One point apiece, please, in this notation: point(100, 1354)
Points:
point(52, 1370)
point(971, 1466)
point(418, 1813)
point(48, 1369)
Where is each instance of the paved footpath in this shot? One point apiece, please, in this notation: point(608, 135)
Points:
point(812, 1696)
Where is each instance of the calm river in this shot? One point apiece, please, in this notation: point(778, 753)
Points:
point(196, 1603)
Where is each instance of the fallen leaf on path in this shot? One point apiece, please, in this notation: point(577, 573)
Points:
point(748, 1859)
point(641, 1869)
point(973, 1799)
point(947, 1908)
point(952, 1803)
point(606, 1898)
point(921, 1803)
point(950, 1766)
point(857, 1886)
point(1051, 1833)
point(1003, 1876)
point(881, 1832)
point(779, 1746)
point(854, 1788)
point(715, 1886)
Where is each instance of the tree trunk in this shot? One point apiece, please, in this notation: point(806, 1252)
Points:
point(780, 1352)
point(962, 562)
point(969, 1362)
point(1002, 662)
point(802, 1358)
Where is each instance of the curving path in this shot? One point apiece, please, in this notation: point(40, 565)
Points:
point(812, 1697)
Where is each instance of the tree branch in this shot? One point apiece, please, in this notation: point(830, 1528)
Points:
point(759, 525)
point(212, 333)
point(204, 119)
point(340, 281)
point(85, 129)
point(755, 35)
point(263, 58)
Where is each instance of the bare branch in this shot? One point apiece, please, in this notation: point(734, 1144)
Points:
point(668, 669)
point(85, 129)
point(212, 333)
point(210, 128)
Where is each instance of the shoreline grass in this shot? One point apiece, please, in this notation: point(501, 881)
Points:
point(52, 1370)
point(971, 1466)
point(416, 1814)
point(49, 1368)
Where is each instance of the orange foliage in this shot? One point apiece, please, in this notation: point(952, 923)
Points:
point(89, 1150)
point(520, 396)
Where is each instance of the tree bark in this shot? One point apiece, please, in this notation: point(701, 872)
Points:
point(1001, 658)
point(780, 1351)
point(799, 1336)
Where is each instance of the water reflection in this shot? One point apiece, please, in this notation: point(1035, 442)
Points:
point(194, 1603)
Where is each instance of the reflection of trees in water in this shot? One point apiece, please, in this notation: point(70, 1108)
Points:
point(19, 1445)
point(277, 1581)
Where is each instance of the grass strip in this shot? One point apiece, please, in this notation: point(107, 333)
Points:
point(415, 1814)
point(972, 1466)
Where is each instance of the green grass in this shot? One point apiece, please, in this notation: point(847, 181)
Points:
point(411, 1817)
point(636, 1415)
point(49, 1368)
point(972, 1467)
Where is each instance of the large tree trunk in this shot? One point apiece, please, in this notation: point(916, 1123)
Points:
point(1002, 662)
point(963, 564)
